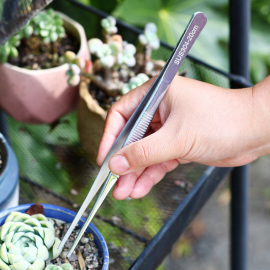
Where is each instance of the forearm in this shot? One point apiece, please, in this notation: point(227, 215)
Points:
point(261, 116)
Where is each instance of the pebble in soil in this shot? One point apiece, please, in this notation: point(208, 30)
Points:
point(85, 256)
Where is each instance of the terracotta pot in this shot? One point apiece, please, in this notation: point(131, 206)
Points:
point(41, 96)
point(91, 120)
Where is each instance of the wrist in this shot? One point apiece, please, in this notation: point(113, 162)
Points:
point(261, 117)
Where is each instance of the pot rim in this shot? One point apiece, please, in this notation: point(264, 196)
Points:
point(10, 175)
point(90, 102)
point(3, 155)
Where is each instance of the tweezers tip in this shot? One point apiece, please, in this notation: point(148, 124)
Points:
point(69, 253)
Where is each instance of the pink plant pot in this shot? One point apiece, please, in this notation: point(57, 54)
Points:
point(41, 96)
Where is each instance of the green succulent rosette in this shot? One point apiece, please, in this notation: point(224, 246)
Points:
point(65, 266)
point(26, 242)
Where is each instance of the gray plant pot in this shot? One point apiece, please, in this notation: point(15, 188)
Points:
point(9, 176)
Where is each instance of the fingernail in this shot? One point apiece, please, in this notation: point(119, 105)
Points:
point(118, 164)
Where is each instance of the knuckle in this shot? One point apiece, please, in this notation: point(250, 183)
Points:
point(112, 109)
point(116, 106)
point(141, 154)
point(152, 180)
point(164, 168)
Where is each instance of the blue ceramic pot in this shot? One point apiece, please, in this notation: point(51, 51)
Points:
point(9, 176)
point(53, 211)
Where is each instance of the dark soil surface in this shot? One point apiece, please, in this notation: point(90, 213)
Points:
point(101, 97)
point(35, 54)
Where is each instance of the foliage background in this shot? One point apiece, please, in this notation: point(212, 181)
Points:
point(171, 16)
point(37, 143)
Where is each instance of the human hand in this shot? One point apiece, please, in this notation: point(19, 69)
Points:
point(195, 122)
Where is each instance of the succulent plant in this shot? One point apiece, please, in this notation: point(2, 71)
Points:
point(109, 25)
point(73, 75)
point(77, 66)
point(127, 55)
point(147, 41)
point(46, 24)
point(65, 266)
point(27, 242)
point(9, 49)
point(115, 53)
point(116, 62)
point(149, 36)
point(134, 82)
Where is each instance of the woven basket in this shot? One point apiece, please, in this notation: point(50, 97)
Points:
point(91, 119)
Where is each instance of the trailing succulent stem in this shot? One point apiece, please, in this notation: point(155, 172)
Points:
point(148, 41)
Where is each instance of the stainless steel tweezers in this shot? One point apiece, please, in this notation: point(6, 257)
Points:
point(138, 123)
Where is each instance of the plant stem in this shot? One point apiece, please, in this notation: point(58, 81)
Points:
point(112, 88)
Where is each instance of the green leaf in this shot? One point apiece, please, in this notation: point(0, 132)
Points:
point(53, 37)
point(13, 52)
point(31, 143)
point(107, 6)
point(258, 68)
point(3, 56)
point(44, 33)
point(260, 40)
point(3, 265)
point(171, 18)
point(87, 2)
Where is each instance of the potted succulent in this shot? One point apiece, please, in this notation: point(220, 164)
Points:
point(33, 82)
point(117, 67)
point(30, 237)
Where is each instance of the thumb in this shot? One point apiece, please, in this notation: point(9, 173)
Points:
point(148, 151)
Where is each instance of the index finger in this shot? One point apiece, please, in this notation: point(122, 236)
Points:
point(117, 117)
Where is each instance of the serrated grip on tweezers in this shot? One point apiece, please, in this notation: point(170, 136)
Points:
point(140, 129)
point(141, 118)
